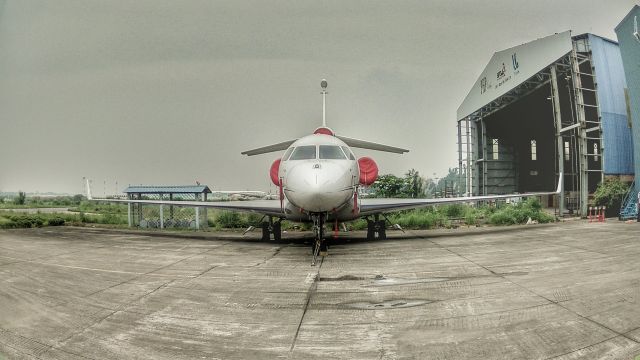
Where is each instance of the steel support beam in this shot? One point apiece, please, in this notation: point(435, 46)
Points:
point(558, 119)
point(582, 133)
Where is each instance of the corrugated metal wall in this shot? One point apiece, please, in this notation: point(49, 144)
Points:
point(630, 51)
point(617, 136)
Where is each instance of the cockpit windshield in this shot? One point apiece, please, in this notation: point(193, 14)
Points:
point(331, 152)
point(348, 152)
point(286, 155)
point(306, 152)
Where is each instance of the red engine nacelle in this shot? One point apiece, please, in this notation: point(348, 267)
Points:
point(368, 170)
point(273, 172)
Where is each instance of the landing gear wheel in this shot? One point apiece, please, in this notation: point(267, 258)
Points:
point(272, 227)
point(277, 231)
point(371, 230)
point(382, 230)
point(319, 245)
point(323, 247)
point(376, 229)
point(265, 231)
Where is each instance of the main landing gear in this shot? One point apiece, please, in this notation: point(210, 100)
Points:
point(319, 245)
point(376, 228)
point(272, 228)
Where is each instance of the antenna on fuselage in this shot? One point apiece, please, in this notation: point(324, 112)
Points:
point(323, 84)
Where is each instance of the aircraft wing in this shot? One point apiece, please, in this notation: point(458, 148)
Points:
point(370, 206)
point(363, 144)
point(265, 207)
point(269, 148)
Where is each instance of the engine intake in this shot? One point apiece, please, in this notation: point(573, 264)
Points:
point(368, 170)
point(273, 172)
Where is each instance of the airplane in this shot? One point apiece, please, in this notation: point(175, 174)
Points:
point(318, 179)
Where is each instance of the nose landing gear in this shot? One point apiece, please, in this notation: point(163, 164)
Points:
point(319, 245)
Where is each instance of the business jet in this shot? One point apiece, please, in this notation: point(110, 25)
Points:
point(318, 179)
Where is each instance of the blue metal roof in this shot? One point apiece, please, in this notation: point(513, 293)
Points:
point(174, 189)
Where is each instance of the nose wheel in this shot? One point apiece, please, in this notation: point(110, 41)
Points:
point(319, 245)
point(376, 228)
point(272, 228)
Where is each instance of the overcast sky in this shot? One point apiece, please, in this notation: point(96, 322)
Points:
point(170, 92)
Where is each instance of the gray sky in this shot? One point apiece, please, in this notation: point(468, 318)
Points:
point(169, 92)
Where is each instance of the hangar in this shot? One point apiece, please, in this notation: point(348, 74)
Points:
point(628, 32)
point(551, 106)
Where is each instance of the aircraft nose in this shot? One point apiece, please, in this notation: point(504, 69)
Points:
point(318, 187)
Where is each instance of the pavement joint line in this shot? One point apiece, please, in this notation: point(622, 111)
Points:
point(138, 275)
point(533, 292)
point(120, 308)
point(147, 273)
point(44, 351)
point(276, 252)
point(582, 348)
point(34, 260)
point(571, 246)
point(310, 292)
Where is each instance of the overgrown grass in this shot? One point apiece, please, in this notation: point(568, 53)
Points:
point(427, 218)
point(448, 216)
point(12, 220)
point(520, 213)
point(32, 202)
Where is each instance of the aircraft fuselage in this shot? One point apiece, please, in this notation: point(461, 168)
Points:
point(319, 174)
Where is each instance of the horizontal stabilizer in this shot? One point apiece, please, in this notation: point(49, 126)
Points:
point(362, 144)
point(269, 148)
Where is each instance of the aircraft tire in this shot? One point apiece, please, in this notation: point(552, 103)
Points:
point(277, 231)
point(382, 230)
point(265, 231)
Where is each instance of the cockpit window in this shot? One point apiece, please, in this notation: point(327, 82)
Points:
point(331, 152)
point(286, 155)
point(348, 152)
point(306, 152)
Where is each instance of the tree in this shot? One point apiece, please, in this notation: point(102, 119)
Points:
point(21, 199)
point(388, 186)
point(610, 193)
point(452, 180)
point(414, 184)
point(391, 186)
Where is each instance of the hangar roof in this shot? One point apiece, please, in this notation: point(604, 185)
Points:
point(509, 68)
point(634, 11)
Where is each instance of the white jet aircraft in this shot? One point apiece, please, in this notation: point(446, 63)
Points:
point(318, 179)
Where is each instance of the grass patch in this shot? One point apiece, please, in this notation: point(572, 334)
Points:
point(12, 220)
point(520, 213)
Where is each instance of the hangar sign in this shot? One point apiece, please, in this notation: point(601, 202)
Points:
point(511, 67)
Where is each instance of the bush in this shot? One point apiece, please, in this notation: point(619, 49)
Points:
point(453, 211)
point(228, 220)
point(511, 214)
point(472, 216)
point(56, 221)
point(26, 221)
point(610, 193)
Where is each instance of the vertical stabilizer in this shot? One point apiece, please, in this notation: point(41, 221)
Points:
point(323, 84)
